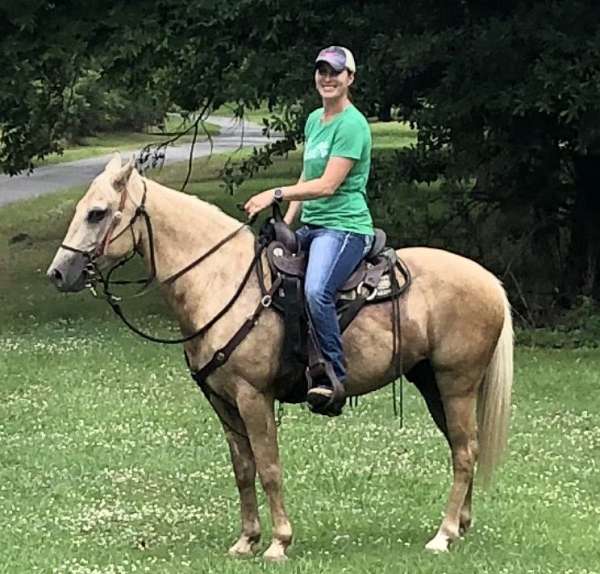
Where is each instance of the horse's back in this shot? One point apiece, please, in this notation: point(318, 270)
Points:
point(447, 266)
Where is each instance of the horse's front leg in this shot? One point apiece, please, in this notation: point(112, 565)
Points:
point(257, 411)
point(244, 469)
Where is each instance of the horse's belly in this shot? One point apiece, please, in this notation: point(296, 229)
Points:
point(369, 345)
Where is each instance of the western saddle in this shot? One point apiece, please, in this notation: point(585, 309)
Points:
point(374, 281)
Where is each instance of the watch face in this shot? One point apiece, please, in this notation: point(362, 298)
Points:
point(278, 194)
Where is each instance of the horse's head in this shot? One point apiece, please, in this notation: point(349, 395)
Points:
point(96, 230)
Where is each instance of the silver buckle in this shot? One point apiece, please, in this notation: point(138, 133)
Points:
point(361, 286)
point(92, 289)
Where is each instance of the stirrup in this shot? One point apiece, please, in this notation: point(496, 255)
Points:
point(326, 394)
point(320, 402)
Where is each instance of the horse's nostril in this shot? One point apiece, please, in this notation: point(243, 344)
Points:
point(56, 276)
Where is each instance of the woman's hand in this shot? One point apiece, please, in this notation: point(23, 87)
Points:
point(258, 202)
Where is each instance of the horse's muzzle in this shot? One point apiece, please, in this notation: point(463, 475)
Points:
point(67, 272)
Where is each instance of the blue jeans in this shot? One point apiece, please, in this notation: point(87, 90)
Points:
point(332, 257)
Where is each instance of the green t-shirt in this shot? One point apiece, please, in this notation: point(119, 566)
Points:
point(346, 135)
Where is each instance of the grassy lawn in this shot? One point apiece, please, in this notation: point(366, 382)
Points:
point(257, 115)
point(391, 135)
point(112, 462)
point(105, 143)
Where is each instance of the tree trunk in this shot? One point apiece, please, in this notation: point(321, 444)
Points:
point(385, 112)
point(583, 277)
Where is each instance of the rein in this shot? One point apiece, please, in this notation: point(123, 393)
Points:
point(114, 303)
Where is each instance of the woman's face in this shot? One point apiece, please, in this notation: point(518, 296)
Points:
point(331, 84)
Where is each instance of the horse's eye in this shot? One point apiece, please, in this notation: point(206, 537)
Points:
point(96, 215)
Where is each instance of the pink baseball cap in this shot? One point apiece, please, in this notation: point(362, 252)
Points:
point(338, 58)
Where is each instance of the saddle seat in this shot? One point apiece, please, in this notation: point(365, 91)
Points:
point(371, 278)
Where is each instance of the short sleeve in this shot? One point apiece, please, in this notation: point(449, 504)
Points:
point(307, 128)
point(349, 140)
point(308, 125)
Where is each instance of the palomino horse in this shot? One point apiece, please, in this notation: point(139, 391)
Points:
point(457, 339)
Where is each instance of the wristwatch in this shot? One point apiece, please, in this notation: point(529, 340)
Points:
point(278, 195)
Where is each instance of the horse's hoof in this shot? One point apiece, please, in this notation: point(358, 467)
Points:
point(439, 543)
point(275, 553)
point(276, 558)
point(242, 553)
point(243, 548)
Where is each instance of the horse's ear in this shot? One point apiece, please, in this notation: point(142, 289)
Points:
point(121, 178)
point(114, 164)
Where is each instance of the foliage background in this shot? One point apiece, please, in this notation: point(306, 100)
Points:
point(503, 98)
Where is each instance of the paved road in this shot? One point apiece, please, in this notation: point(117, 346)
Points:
point(64, 175)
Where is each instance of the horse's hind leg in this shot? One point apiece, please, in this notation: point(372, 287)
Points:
point(422, 376)
point(459, 398)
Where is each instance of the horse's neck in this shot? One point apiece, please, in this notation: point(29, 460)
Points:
point(184, 228)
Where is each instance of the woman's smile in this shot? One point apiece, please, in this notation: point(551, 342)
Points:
point(329, 87)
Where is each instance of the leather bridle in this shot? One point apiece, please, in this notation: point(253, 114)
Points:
point(93, 272)
point(95, 277)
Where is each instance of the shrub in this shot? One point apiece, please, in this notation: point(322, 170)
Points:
point(92, 107)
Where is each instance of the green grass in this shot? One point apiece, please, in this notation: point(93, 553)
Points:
point(257, 115)
point(107, 142)
point(392, 135)
point(112, 462)
point(111, 459)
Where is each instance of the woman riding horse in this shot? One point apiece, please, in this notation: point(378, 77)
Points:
point(457, 340)
point(332, 195)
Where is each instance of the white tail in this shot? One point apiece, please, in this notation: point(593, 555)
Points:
point(493, 405)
